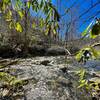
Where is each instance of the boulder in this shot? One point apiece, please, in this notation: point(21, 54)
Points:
point(37, 50)
point(55, 51)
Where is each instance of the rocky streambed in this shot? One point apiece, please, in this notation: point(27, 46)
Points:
point(42, 78)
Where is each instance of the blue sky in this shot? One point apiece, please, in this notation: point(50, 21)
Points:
point(81, 6)
point(78, 8)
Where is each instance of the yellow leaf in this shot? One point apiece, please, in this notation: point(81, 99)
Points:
point(54, 31)
point(18, 27)
point(87, 29)
point(28, 4)
point(9, 16)
point(41, 23)
point(20, 14)
point(34, 25)
point(46, 31)
point(11, 25)
point(92, 35)
point(4, 7)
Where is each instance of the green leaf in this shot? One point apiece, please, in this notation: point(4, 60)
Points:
point(95, 30)
point(81, 85)
point(41, 4)
point(5, 77)
point(92, 35)
point(95, 53)
point(9, 16)
point(11, 25)
point(41, 23)
point(33, 25)
point(21, 14)
point(6, 1)
point(28, 4)
point(80, 53)
point(18, 27)
point(55, 12)
point(87, 29)
point(18, 5)
point(54, 31)
point(35, 6)
point(47, 31)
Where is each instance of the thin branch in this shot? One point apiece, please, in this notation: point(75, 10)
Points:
point(90, 18)
point(89, 9)
point(67, 9)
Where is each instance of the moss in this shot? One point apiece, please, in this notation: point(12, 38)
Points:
point(11, 80)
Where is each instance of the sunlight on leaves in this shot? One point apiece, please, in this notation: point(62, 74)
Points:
point(33, 25)
point(18, 27)
point(28, 4)
point(11, 25)
point(21, 14)
point(9, 16)
point(87, 29)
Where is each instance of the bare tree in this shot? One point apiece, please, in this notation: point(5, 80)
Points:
point(71, 25)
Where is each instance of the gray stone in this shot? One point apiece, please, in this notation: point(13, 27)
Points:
point(54, 51)
point(46, 81)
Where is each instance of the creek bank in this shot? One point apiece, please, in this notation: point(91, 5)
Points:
point(7, 51)
point(48, 78)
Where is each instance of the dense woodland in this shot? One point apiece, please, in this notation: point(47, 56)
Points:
point(34, 50)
